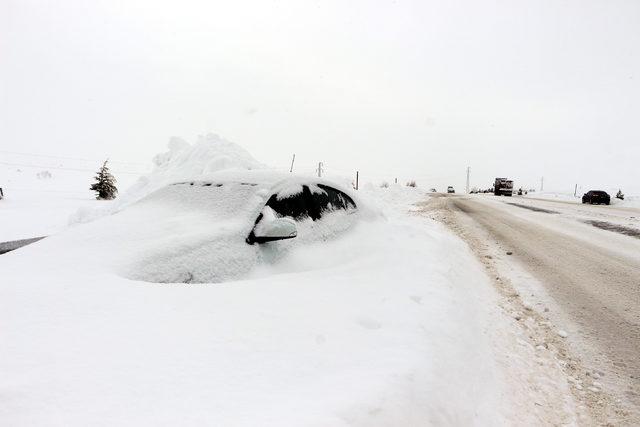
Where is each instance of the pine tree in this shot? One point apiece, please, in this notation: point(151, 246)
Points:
point(105, 184)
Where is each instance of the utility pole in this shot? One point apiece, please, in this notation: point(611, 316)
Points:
point(468, 171)
point(320, 165)
point(292, 160)
point(575, 190)
point(357, 178)
point(542, 183)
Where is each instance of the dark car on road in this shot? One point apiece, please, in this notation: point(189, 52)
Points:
point(450, 189)
point(596, 197)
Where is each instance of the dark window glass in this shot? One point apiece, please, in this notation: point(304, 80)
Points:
point(330, 199)
point(295, 206)
point(307, 204)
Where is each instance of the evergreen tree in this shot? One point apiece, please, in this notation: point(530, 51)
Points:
point(105, 184)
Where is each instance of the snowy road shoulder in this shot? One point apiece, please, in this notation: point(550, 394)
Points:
point(381, 328)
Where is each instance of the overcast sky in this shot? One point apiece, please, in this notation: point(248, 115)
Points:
point(413, 89)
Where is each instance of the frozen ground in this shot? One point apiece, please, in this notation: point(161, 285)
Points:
point(392, 323)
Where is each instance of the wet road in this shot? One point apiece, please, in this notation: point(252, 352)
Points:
point(592, 275)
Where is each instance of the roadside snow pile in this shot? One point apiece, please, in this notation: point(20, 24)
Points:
point(183, 162)
point(375, 328)
point(393, 199)
point(630, 200)
point(551, 195)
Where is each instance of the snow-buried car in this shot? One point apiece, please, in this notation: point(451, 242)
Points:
point(220, 228)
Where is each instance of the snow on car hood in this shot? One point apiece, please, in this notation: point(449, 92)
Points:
point(194, 232)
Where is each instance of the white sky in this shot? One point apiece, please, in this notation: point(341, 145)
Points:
point(392, 88)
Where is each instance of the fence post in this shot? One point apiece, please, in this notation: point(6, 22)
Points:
point(292, 160)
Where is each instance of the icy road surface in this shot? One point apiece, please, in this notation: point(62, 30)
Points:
point(578, 267)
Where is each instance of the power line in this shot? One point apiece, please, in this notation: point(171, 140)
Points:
point(9, 187)
point(68, 158)
point(62, 168)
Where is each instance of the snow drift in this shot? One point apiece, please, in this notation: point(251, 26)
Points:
point(374, 329)
point(182, 162)
point(388, 325)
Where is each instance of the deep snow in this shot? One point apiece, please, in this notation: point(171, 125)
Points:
point(388, 323)
point(372, 329)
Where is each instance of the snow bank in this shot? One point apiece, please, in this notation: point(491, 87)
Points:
point(182, 162)
point(630, 200)
point(375, 328)
point(393, 199)
point(388, 324)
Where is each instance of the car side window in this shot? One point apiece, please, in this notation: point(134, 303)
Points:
point(296, 206)
point(327, 199)
point(311, 204)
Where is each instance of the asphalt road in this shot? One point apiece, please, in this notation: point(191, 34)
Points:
point(592, 276)
point(17, 244)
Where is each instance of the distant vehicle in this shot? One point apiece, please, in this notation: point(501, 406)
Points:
point(594, 197)
point(503, 187)
point(619, 194)
point(433, 190)
point(450, 189)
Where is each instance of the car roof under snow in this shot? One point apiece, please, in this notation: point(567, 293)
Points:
point(261, 177)
point(233, 192)
point(281, 183)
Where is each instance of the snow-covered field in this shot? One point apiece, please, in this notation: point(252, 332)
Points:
point(39, 201)
point(390, 323)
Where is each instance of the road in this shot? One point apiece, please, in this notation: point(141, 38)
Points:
point(586, 259)
point(17, 244)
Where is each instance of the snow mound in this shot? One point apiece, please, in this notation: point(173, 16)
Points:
point(182, 162)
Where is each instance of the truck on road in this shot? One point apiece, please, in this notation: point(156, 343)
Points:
point(503, 187)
